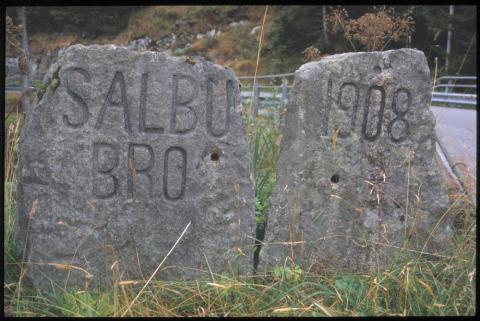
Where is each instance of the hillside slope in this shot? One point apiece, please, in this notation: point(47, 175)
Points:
point(227, 35)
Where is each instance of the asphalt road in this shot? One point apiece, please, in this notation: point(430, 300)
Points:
point(456, 130)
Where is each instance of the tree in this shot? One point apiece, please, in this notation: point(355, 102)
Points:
point(92, 20)
point(12, 37)
point(325, 28)
point(294, 26)
point(433, 39)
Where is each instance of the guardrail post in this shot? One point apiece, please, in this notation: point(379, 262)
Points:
point(256, 98)
point(285, 90)
point(448, 89)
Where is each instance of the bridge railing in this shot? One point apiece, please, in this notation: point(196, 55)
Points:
point(455, 90)
point(251, 88)
point(14, 83)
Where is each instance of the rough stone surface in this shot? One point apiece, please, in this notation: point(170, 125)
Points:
point(240, 23)
point(121, 153)
point(140, 43)
point(358, 147)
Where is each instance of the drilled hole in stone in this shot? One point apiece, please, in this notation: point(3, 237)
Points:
point(402, 218)
point(377, 69)
point(335, 178)
point(215, 156)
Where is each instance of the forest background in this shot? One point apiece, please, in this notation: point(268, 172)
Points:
point(228, 35)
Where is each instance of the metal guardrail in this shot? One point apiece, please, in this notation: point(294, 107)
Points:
point(14, 82)
point(458, 77)
point(256, 89)
point(290, 74)
point(458, 90)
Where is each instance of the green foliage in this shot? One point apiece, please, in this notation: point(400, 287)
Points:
point(179, 51)
point(84, 304)
point(351, 288)
point(433, 38)
point(54, 82)
point(293, 27)
point(264, 136)
point(292, 274)
point(92, 20)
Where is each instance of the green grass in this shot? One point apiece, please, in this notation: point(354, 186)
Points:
point(264, 136)
point(409, 286)
point(11, 100)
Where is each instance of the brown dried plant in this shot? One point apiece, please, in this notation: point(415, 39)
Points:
point(373, 31)
point(12, 34)
point(23, 63)
point(311, 54)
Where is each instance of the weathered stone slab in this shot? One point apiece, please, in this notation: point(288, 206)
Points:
point(122, 152)
point(356, 171)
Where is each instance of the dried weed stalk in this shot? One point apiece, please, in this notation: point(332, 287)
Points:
point(311, 54)
point(12, 33)
point(373, 31)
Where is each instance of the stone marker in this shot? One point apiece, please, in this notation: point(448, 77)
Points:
point(358, 147)
point(123, 150)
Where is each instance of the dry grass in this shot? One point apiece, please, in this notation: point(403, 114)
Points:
point(42, 43)
point(160, 24)
point(234, 47)
point(161, 21)
point(12, 134)
point(11, 102)
point(243, 67)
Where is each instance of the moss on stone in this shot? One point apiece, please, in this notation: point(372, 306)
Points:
point(54, 82)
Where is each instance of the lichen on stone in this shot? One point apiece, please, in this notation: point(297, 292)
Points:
point(54, 82)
